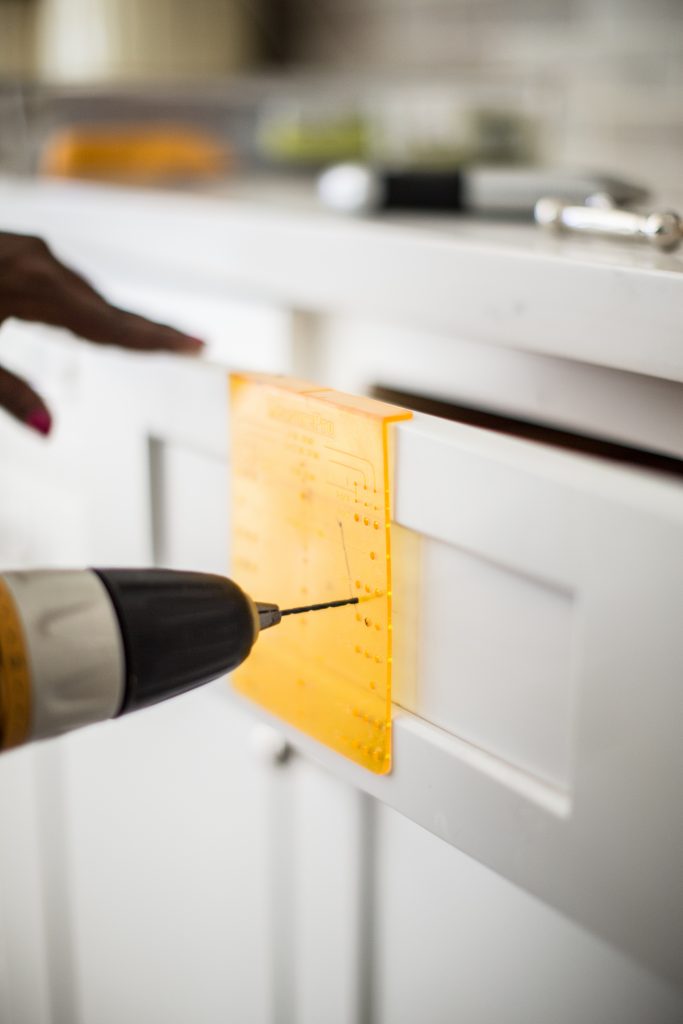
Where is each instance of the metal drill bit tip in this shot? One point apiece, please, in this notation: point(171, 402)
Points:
point(319, 607)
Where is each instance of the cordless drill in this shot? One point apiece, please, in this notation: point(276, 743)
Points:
point(81, 646)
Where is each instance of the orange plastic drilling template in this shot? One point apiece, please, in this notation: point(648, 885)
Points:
point(311, 523)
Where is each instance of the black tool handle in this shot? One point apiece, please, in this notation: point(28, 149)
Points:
point(179, 630)
point(422, 190)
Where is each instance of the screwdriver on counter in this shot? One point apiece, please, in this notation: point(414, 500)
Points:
point(81, 646)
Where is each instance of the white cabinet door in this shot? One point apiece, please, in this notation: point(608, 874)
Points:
point(166, 812)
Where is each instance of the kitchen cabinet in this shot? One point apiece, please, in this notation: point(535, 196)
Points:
point(522, 861)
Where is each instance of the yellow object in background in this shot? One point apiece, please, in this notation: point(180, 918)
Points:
point(311, 523)
point(137, 153)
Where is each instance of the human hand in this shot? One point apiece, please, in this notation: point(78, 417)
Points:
point(34, 285)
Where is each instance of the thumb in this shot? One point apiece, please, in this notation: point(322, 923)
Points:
point(19, 399)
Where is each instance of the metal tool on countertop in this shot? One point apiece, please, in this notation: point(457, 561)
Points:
point(601, 215)
point(354, 188)
point(81, 646)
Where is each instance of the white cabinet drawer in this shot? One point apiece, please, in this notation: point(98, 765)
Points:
point(547, 666)
point(536, 571)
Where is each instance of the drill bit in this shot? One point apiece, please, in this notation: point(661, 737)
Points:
point(319, 607)
point(269, 614)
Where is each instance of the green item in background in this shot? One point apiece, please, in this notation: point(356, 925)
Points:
point(312, 139)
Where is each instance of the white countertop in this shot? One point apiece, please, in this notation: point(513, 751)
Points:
point(603, 302)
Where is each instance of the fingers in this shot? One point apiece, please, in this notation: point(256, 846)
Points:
point(107, 325)
point(80, 283)
point(34, 285)
point(19, 399)
point(136, 332)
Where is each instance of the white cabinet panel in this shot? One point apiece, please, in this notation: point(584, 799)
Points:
point(166, 866)
point(25, 989)
point(189, 501)
point(42, 523)
point(496, 660)
point(166, 811)
point(455, 942)
point(331, 873)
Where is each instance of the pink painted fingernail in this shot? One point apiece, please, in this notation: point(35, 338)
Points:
point(197, 342)
point(39, 420)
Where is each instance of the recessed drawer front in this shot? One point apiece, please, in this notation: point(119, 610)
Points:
point(494, 657)
point(538, 598)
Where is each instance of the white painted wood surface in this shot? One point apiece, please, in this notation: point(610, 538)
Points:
point(221, 883)
point(604, 303)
